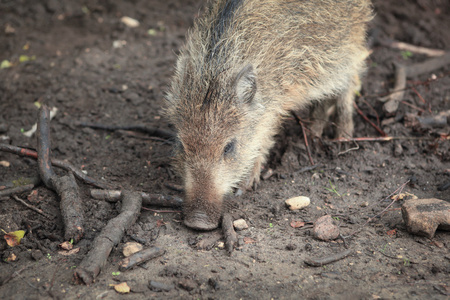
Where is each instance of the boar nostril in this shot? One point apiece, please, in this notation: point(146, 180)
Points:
point(200, 221)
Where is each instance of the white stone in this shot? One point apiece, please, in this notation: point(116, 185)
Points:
point(240, 224)
point(130, 22)
point(298, 202)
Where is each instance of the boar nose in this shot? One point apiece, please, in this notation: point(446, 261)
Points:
point(200, 220)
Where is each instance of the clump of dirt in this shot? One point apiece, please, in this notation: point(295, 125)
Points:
point(79, 57)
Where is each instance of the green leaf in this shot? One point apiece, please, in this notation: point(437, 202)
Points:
point(5, 64)
point(25, 58)
point(406, 54)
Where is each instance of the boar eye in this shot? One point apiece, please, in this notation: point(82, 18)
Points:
point(229, 148)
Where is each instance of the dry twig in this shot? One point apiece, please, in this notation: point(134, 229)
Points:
point(156, 132)
point(306, 142)
point(174, 187)
point(304, 137)
point(39, 211)
point(57, 163)
point(140, 258)
point(370, 122)
point(412, 48)
point(370, 219)
point(16, 190)
point(21, 181)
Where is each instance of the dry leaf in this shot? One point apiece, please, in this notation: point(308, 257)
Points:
point(70, 252)
point(131, 248)
point(392, 232)
point(13, 238)
point(402, 196)
point(12, 257)
point(66, 245)
point(122, 288)
point(248, 240)
point(297, 224)
point(160, 223)
point(33, 196)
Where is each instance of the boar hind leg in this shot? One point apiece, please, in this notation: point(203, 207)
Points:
point(344, 109)
point(254, 178)
point(319, 116)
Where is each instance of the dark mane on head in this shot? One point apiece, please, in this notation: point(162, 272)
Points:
point(223, 22)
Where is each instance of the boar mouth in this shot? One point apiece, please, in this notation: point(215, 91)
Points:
point(200, 221)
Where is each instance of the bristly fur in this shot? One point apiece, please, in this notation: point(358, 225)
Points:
point(245, 65)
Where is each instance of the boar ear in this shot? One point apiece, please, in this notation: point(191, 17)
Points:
point(245, 84)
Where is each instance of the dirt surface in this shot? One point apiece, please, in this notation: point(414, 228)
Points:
point(79, 69)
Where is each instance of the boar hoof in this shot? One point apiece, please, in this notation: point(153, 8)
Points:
point(200, 221)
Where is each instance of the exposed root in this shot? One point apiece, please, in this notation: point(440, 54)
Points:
point(322, 261)
point(57, 163)
point(109, 237)
point(65, 186)
point(147, 199)
point(402, 72)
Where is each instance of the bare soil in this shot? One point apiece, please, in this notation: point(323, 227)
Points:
point(77, 69)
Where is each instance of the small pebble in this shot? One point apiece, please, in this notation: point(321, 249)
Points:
point(5, 163)
point(240, 224)
point(3, 128)
point(386, 122)
point(130, 22)
point(133, 97)
point(298, 202)
point(37, 255)
point(324, 229)
point(291, 247)
point(159, 286)
point(398, 149)
point(131, 247)
point(187, 284)
point(119, 43)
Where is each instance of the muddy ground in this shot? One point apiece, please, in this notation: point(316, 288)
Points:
point(74, 66)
